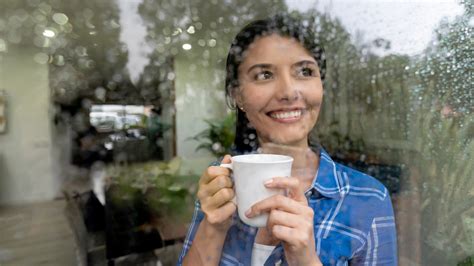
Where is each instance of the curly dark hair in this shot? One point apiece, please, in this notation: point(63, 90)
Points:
point(303, 30)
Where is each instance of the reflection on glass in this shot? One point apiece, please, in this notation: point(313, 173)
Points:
point(397, 105)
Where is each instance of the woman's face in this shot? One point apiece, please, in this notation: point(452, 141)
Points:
point(280, 90)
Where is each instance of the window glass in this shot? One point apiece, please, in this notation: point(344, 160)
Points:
point(110, 111)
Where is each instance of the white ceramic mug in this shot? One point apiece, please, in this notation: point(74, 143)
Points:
point(249, 172)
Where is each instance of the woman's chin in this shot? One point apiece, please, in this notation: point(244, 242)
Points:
point(289, 140)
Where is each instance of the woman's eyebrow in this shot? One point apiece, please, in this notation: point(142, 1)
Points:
point(258, 66)
point(305, 62)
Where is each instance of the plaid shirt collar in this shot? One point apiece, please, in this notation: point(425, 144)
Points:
point(327, 182)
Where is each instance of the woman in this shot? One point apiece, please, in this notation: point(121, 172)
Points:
point(333, 215)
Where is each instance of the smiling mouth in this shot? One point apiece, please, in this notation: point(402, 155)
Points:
point(286, 116)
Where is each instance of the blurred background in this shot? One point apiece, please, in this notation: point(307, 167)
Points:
point(110, 110)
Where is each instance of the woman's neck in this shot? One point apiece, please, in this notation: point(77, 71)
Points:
point(305, 163)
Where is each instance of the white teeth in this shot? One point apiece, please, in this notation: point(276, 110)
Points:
point(286, 115)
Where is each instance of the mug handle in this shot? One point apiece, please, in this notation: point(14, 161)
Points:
point(226, 165)
point(229, 166)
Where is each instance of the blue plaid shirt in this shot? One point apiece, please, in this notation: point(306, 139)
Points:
point(353, 222)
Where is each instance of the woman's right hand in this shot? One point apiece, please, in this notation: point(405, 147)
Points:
point(215, 194)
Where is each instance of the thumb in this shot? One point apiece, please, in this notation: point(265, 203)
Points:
point(227, 159)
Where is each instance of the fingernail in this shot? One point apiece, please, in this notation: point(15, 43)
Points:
point(248, 212)
point(268, 182)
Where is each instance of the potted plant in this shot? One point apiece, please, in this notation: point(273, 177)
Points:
point(218, 137)
point(141, 200)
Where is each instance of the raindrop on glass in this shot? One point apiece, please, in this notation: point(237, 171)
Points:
point(187, 46)
point(191, 30)
point(212, 42)
point(170, 76)
point(60, 18)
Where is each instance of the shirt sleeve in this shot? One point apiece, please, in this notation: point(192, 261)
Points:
point(381, 245)
point(198, 215)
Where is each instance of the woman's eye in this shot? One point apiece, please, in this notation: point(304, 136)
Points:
point(264, 75)
point(306, 72)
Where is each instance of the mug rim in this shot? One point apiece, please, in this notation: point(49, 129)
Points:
point(284, 158)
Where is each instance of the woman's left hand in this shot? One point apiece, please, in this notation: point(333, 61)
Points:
point(290, 220)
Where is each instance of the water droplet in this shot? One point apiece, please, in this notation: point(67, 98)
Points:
point(100, 93)
point(81, 51)
point(216, 146)
point(49, 32)
point(166, 31)
point(67, 28)
point(160, 49)
point(187, 46)
point(177, 31)
point(191, 30)
point(90, 64)
point(212, 42)
point(60, 18)
point(117, 78)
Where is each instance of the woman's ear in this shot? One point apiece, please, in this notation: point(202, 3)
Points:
point(237, 97)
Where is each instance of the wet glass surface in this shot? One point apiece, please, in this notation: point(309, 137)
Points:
point(111, 110)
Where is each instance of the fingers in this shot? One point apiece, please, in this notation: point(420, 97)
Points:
point(221, 214)
point(291, 183)
point(214, 179)
point(219, 208)
point(213, 171)
point(277, 217)
point(295, 230)
point(279, 202)
point(296, 203)
point(226, 159)
point(215, 194)
point(289, 235)
point(221, 197)
point(290, 220)
point(218, 183)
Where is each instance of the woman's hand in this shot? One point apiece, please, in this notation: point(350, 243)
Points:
point(290, 220)
point(215, 194)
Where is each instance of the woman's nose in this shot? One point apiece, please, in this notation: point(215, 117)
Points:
point(287, 88)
